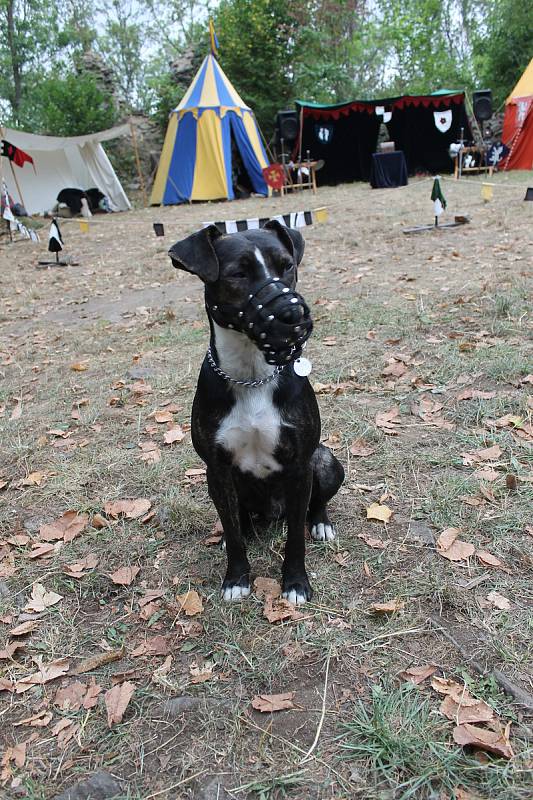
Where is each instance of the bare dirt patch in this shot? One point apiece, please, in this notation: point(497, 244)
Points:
point(422, 366)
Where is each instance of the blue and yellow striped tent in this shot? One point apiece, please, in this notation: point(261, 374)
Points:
point(196, 160)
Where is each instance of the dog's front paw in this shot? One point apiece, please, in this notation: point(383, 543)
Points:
point(297, 591)
point(236, 589)
point(323, 532)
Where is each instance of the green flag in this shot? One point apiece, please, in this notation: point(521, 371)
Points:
point(438, 198)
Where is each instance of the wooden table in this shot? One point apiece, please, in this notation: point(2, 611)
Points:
point(459, 169)
point(301, 183)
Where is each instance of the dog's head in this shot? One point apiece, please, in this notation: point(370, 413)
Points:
point(250, 280)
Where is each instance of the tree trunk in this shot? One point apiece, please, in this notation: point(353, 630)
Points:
point(16, 96)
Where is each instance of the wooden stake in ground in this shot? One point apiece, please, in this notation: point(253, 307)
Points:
point(138, 163)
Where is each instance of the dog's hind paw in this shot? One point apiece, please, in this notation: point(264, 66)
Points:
point(323, 532)
point(235, 591)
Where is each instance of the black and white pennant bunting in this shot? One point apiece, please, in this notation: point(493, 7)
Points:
point(295, 219)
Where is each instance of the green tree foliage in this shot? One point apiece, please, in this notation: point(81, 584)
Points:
point(69, 105)
point(121, 46)
point(257, 41)
point(503, 53)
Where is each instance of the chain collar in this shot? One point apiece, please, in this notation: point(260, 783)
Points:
point(261, 382)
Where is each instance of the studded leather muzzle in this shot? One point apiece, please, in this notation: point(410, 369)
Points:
point(275, 317)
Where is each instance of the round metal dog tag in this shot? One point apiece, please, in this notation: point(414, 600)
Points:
point(302, 367)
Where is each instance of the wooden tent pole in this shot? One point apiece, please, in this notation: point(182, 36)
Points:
point(267, 148)
point(17, 183)
point(301, 133)
point(2, 135)
point(138, 163)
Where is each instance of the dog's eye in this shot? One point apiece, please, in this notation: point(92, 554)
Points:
point(237, 274)
point(287, 266)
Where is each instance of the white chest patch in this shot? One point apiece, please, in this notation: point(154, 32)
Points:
point(251, 431)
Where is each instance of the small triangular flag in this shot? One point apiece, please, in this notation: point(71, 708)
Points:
point(438, 198)
point(55, 242)
point(8, 214)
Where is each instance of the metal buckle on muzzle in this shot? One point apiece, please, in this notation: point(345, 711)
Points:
point(275, 317)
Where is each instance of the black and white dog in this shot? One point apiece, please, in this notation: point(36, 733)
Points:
point(255, 419)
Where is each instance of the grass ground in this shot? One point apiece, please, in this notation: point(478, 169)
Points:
point(434, 328)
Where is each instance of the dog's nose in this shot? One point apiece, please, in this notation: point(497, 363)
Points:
point(293, 314)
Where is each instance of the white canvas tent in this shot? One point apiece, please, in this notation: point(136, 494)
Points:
point(61, 162)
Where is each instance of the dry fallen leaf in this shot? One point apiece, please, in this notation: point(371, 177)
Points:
point(79, 366)
point(156, 646)
point(174, 434)
point(124, 576)
point(474, 394)
point(81, 568)
point(190, 602)
point(489, 560)
point(98, 522)
point(34, 479)
point(67, 527)
point(46, 673)
point(116, 701)
point(388, 607)
point(268, 703)
point(495, 741)
point(485, 454)
point(162, 416)
point(417, 675)
point(380, 512)
point(464, 708)
point(278, 610)
point(41, 549)
point(17, 754)
point(499, 601)
point(17, 410)
point(150, 452)
point(452, 548)
point(91, 698)
point(266, 586)
point(371, 541)
point(359, 448)
point(10, 649)
point(200, 673)
point(41, 599)
point(131, 509)
point(39, 720)
point(24, 628)
point(70, 697)
point(387, 420)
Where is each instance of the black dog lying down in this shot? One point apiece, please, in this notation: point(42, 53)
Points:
point(73, 197)
point(255, 420)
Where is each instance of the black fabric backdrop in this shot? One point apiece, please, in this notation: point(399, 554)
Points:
point(348, 152)
point(425, 148)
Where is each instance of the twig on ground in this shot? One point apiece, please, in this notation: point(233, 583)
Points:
point(508, 686)
point(339, 777)
point(387, 636)
point(175, 785)
point(322, 715)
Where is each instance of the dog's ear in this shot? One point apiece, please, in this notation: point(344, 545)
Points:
point(289, 237)
point(197, 254)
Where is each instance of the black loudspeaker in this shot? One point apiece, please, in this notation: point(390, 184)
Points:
point(287, 126)
point(482, 104)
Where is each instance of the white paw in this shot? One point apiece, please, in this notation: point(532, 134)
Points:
point(323, 532)
point(232, 593)
point(294, 597)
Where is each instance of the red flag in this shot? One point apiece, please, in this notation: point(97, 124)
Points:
point(15, 154)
